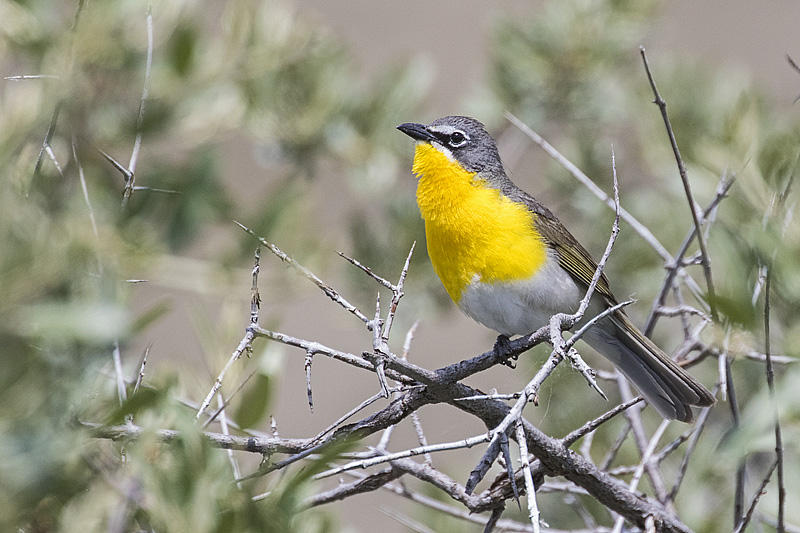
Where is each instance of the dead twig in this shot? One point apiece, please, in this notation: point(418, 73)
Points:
point(775, 412)
point(662, 106)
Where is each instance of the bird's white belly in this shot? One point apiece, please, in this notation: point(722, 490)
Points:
point(523, 306)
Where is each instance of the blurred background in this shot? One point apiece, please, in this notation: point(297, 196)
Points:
point(282, 115)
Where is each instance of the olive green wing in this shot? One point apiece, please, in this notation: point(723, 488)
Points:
point(571, 255)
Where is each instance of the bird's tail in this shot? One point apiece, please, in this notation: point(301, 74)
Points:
point(665, 385)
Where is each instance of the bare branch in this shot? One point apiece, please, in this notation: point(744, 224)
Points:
point(641, 468)
point(365, 484)
point(775, 412)
point(122, 393)
point(307, 367)
point(329, 291)
point(420, 450)
point(397, 294)
point(223, 422)
point(592, 425)
point(140, 375)
point(369, 401)
point(85, 190)
point(262, 445)
point(662, 105)
point(247, 339)
point(368, 271)
point(752, 507)
point(51, 129)
point(634, 417)
point(693, 440)
point(137, 143)
point(595, 319)
point(227, 400)
point(533, 508)
point(32, 77)
point(723, 187)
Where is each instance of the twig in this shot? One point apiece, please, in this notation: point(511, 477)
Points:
point(32, 77)
point(223, 422)
point(420, 450)
point(533, 508)
point(775, 412)
point(415, 416)
point(641, 468)
point(379, 348)
point(634, 417)
point(592, 425)
point(126, 174)
point(137, 143)
point(227, 400)
point(369, 401)
point(51, 129)
point(52, 155)
point(247, 339)
point(502, 525)
point(497, 512)
point(511, 396)
point(723, 187)
point(122, 394)
point(155, 189)
point(738, 502)
point(397, 294)
point(776, 359)
point(307, 367)
point(681, 310)
point(797, 68)
point(263, 445)
point(612, 452)
point(408, 522)
point(662, 106)
point(693, 440)
point(752, 507)
point(319, 348)
point(360, 486)
point(368, 271)
point(595, 319)
point(140, 375)
point(85, 190)
point(329, 292)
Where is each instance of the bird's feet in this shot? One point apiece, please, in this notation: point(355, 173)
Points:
point(502, 348)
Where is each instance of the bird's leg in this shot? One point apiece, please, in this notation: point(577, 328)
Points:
point(502, 346)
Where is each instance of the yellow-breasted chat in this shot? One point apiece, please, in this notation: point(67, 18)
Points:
point(509, 263)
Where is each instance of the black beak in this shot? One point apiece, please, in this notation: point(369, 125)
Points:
point(416, 131)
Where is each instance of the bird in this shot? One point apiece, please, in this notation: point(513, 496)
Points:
point(508, 262)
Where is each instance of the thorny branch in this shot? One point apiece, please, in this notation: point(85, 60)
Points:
point(541, 456)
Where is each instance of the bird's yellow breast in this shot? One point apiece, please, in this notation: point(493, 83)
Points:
point(472, 230)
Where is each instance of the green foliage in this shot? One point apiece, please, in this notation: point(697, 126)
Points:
point(574, 73)
point(256, 73)
point(247, 69)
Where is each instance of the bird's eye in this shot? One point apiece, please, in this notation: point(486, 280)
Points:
point(457, 139)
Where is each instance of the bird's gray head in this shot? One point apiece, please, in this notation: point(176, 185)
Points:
point(462, 139)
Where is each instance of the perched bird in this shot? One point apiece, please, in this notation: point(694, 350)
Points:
point(508, 263)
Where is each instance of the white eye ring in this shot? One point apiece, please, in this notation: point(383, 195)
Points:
point(457, 139)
